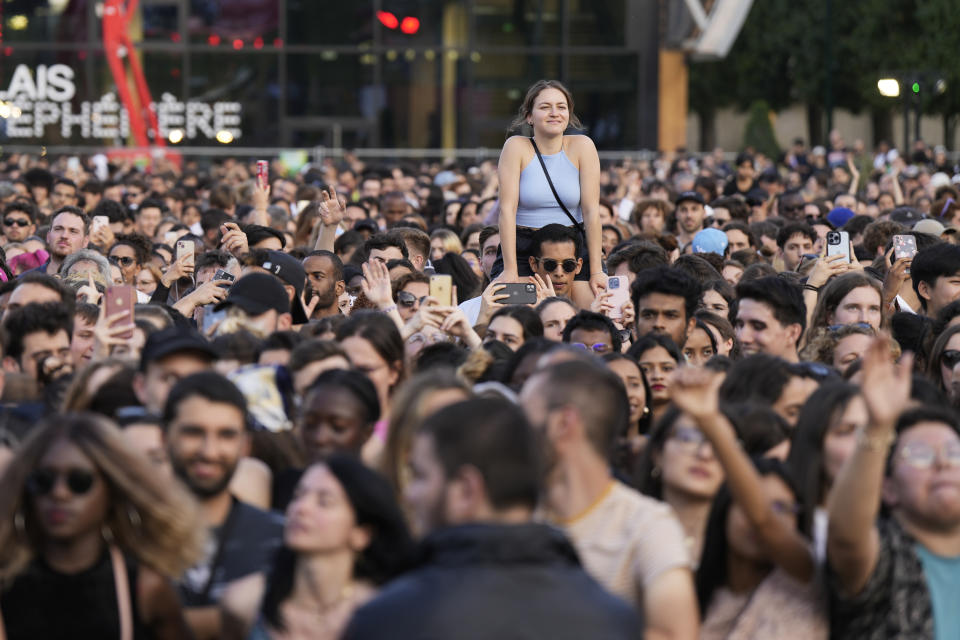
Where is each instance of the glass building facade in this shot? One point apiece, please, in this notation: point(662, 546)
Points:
point(356, 73)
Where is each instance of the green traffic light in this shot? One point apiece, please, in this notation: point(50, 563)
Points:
point(916, 87)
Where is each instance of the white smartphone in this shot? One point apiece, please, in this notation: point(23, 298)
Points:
point(838, 244)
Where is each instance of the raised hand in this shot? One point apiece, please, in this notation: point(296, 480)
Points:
point(695, 392)
point(233, 239)
point(331, 207)
point(886, 385)
point(376, 283)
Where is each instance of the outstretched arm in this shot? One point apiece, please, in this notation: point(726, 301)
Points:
point(695, 392)
point(853, 542)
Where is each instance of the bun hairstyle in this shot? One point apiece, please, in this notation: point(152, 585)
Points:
point(519, 123)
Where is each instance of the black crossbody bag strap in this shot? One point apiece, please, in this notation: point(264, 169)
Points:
point(578, 225)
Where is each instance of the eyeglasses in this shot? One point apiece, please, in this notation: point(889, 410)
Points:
point(123, 261)
point(19, 222)
point(920, 455)
point(690, 439)
point(600, 347)
point(549, 264)
point(950, 358)
point(407, 299)
point(42, 481)
point(862, 325)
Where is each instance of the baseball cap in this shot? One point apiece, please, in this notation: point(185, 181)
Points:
point(906, 216)
point(840, 216)
point(931, 226)
point(171, 340)
point(291, 271)
point(689, 195)
point(257, 293)
point(710, 241)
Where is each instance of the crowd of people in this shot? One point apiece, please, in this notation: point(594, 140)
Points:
point(544, 397)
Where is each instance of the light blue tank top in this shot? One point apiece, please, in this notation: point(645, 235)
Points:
point(536, 206)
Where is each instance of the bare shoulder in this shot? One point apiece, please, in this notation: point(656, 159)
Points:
point(516, 146)
point(243, 595)
point(579, 144)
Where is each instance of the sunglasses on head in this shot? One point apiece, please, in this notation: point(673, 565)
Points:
point(19, 222)
point(950, 358)
point(569, 265)
point(407, 299)
point(42, 481)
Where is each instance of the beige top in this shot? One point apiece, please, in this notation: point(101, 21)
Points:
point(626, 540)
point(780, 607)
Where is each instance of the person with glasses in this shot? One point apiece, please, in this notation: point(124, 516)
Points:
point(130, 253)
point(679, 467)
point(554, 251)
point(410, 293)
point(942, 367)
point(19, 221)
point(895, 573)
point(790, 206)
point(593, 332)
point(91, 537)
point(756, 577)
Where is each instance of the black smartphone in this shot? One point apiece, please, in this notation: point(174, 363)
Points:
point(223, 275)
point(519, 293)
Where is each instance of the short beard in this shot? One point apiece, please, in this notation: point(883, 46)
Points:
point(203, 492)
point(326, 299)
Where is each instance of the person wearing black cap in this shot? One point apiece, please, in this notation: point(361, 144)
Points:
point(690, 214)
point(294, 276)
point(168, 356)
point(261, 302)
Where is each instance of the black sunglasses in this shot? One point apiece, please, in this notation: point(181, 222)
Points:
point(42, 481)
point(950, 358)
point(123, 261)
point(407, 299)
point(19, 222)
point(569, 265)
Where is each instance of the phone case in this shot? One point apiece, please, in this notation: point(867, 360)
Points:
point(904, 246)
point(117, 299)
point(619, 286)
point(185, 247)
point(441, 288)
point(839, 247)
point(519, 293)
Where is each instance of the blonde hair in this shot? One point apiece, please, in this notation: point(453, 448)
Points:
point(451, 241)
point(154, 520)
point(526, 107)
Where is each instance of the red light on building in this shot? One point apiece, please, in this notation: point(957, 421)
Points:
point(278, 42)
point(175, 37)
point(258, 43)
point(410, 25)
point(81, 55)
point(387, 19)
point(214, 40)
point(8, 51)
point(238, 43)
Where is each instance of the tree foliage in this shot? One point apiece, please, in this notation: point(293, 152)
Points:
point(787, 50)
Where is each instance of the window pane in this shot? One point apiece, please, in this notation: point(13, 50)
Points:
point(517, 22)
point(226, 21)
point(329, 23)
point(44, 21)
point(605, 96)
point(599, 23)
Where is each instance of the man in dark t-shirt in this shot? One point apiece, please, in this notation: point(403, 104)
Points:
point(206, 423)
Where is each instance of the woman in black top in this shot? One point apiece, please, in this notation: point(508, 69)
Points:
point(90, 537)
